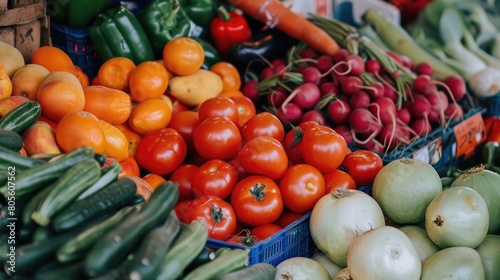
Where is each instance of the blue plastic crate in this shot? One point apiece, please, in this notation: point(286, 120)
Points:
point(77, 44)
point(292, 241)
point(492, 105)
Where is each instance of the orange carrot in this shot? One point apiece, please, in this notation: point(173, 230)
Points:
point(275, 14)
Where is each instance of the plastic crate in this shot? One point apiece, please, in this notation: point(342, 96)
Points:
point(492, 105)
point(77, 44)
point(292, 241)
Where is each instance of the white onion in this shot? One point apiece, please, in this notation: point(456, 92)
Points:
point(457, 217)
point(454, 263)
point(298, 268)
point(332, 268)
point(339, 217)
point(489, 250)
point(384, 253)
point(422, 243)
point(344, 274)
point(404, 188)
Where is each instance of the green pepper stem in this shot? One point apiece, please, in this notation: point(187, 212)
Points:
point(223, 12)
point(170, 21)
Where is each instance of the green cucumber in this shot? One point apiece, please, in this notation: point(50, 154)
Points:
point(59, 271)
point(21, 117)
point(10, 158)
point(111, 197)
point(31, 180)
point(153, 248)
point(228, 261)
point(67, 188)
point(10, 140)
point(189, 243)
point(108, 174)
point(111, 249)
point(258, 271)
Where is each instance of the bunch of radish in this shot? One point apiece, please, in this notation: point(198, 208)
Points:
point(357, 97)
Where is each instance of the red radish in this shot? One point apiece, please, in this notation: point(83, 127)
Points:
point(338, 111)
point(421, 82)
point(372, 66)
point(407, 62)
point(393, 135)
point(456, 85)
point(454, 112)
point(267, 72)
point(356, 64)
point(278, 62)
point(307, 53)
point(374, 146)
point(276, 97)
point(351, 84)
point(397, 57)
point(339, 74)
point(249, 89)
point(329, 87)
point(340, 55)
point(424, 68)
point(403, 115)
point(280, 70)
point(420, 106)
point(390, 93)
point(439, 104)
point(305, 96)
point(376, 90)
point(311, 74)
point(345, 132)
point(384, 109)
point(313, 115)
point(289, 114)
point(360, 99)
point(421, 126)
point(361, 120)
point(324, 63)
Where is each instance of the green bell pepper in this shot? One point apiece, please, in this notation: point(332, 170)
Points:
point(117, 32)
point(164, 20)
point(201, 12)
point(212, 56)
point(82, 12)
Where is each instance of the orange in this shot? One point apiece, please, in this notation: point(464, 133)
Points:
point(95, 81)
point(82, 77)
point(54, 59)
point(59, 94)
point(148, 80)
point(230, 93)
point(229, 74)
point(107, 104)
point(115, 72)
point(154, 180)
point(79, 129)
point(116, 142)
point(133, 137)
point(129, 167)
point(27, 79)
point(150, 115)
point(183, 56)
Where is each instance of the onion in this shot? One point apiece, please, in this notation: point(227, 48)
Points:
point(422, 243)
point(332, 268)
point(384, 253)
point(487, 184)
point(489, 250)
point(453, 263)
point(457, 217)
point(339, 217)
point(301, 268)
point(404, 188)
point(344, 274)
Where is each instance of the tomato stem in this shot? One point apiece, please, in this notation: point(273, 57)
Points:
point(257, 191)
point(216, 214)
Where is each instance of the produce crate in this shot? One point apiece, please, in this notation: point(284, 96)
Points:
point(292, 241)
point(492, 105)
point(24, 25)
point(77, 44)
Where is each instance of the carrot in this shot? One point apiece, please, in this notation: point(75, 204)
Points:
point(275, 14)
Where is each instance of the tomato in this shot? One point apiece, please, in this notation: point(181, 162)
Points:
point(217, 137)
point(219, 106)
point(244, 238)
point(129, 167)
point(180, 209)
point(256, 200)
point(301, 187)
point(264, 155)
point(239, 169)
point(161, 151)
point(263, 124)
point(184, 175)
point(265, 231)
point(287, 217)
point(293, 139)
point(363, 166)
point(185, 122)
point(323, 148)
point(338, 179)
point(245, 107)
point(218, 215)
point(215, 177)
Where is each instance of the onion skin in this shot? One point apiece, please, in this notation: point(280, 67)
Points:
point(457, 217)
point(454, 263)
point(332, 268)
point(301, 268)
point(422, 243)
point(489, 250)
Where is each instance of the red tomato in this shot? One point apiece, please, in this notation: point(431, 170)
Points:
point(338, 179)
point(219, 106)
point(301, 187)
point(185, 122)
point(246, 109)
point(242, 239)
point(183, 175)
point(293, 139)
point(256, 200)
point(264, 155)
point(239, 169)
point(263, 124)
point(161, 151)
point(180, 209)
point(218, 215)
point(363, 166)
point(323, 148)
point(215, 177)
point(288, 217)
point(217, 137)
point(264, 231)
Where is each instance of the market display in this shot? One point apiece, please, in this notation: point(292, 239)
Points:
point(205, 139)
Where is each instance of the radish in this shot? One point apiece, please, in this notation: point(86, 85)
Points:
point(420, 106)
point(324, 63)
point(360, 99)
point(454, 112)
point(249, 89)
point(305, 96)
point(439, 104)
point(313, 115)
point(424, 68)
point(267, 72)
point(456, 85)
point(361, 120)
point(376, 90)
point(289, 113)
point(340, 55)
point(276, 97)
point(338, 111)
point(392, 135)
point(421, 126)
point(345, 132)
point(311, 74)
point(374, 146)
point(403, 115)
point(307, 53)
point(372, 66)
point(329, 87)
point(278, 62)
point(421, 82)
point(351, 84)
point(390, 93)
point(397, 57)
point(356, 64)
point(384, 109)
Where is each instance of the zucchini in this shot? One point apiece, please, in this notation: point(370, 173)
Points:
point(112, 197)
point(10, 158)
point(66, 189)
point(79, 245)
point(109, 251)
point(34, 203)
point(41, 234)
point(21, 117)
point(29, 181)
point(108, 175)
point(136, 199)
point(101, 158)
point(258, 271)
point(153, 248)
point(188, 244)
point(10, 140)
point(228, 261)
point(206, 255)
point(58, 271)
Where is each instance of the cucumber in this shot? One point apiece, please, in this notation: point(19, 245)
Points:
point(67, 188)
point(29, 181)
point(21, 117)
point(109, 251)
point(108, 175)
point(58, 271)
point(228, 261)
point(112, 197)
point(79, 245)
point(10, 158)
point(10, 140)
point(189, 243)
point(258, 271)
point(153, 248)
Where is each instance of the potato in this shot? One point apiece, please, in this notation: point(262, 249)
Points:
point(192, 90)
